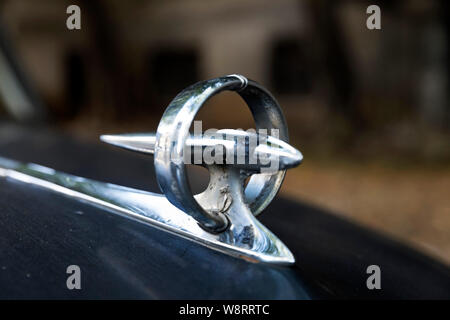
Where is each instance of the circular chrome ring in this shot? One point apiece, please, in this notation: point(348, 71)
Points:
point(173, 131)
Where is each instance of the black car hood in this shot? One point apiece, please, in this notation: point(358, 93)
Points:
point(41, 233)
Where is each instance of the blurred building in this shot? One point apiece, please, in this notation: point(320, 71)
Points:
point(135, 55)
point(160, 45)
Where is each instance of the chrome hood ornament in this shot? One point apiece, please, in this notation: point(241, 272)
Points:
point(223, 216)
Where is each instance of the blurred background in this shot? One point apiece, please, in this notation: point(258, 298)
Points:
point(369, 109)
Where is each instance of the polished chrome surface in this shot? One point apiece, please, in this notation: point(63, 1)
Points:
point(223, 216)
point(227, 207)
point(150, 208)
point(273, 150)
point(173, 131)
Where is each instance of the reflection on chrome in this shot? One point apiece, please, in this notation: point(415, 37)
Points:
point(243, 149)
point(150, 208)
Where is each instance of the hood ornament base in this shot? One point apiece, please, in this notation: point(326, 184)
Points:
point(223, 216)
point(146, 207)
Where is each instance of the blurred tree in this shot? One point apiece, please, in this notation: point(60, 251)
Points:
point(332, 60)
point(105, 45)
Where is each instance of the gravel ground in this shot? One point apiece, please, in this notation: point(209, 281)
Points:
point(410, 204)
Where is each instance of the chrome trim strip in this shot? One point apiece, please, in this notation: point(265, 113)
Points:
point(149, 208)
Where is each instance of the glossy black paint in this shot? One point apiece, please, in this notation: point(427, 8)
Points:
point(41, 233)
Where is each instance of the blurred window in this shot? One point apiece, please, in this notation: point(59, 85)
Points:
point(171, 70)
point(289, 68)
point(75, 82)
